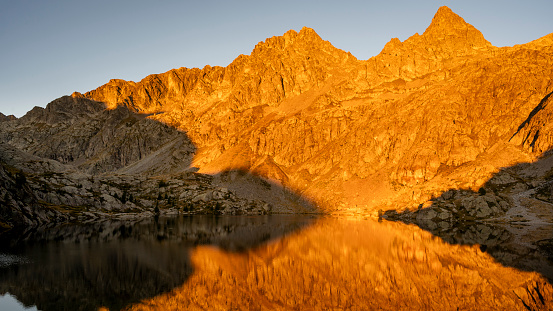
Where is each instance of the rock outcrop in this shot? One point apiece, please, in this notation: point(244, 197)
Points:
point(535, 134)
point(447, 42)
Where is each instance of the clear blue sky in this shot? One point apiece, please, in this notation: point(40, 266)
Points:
point(51, 48)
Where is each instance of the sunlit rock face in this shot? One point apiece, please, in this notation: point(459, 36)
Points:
point(355, 264)
point(447, 42)
point(435, 112)
point(534, 134)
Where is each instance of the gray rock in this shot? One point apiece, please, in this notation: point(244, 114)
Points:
point(426, 214)
point(203, 197)
point(445, 215)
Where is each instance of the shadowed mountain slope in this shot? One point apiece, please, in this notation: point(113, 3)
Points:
point(83, 133)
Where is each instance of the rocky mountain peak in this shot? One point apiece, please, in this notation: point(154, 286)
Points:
point(291, 38)
point(309, 33)
point(279, 67)
point(64, 110)
point(448, 26)
point(444, 43)
point(77, 95)
point(446, 18)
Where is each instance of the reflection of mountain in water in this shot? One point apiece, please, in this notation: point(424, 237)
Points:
point(510, 216)
point(502, 241)
point(115, 263)
point(354, 264)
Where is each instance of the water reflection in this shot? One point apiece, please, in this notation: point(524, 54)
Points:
point(354, 264)
point(115, 263)
point(523, 246)
point(265, 262)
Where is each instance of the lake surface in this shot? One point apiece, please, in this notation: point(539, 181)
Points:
point(272, 262)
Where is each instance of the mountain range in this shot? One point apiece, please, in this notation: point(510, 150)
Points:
point(296, 126)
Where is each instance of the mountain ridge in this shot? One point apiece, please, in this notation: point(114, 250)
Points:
point(314, 118)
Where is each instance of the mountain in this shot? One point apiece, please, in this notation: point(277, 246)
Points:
point(6, 118)
point(313, 117)
point(439, 111)
point(83, 133)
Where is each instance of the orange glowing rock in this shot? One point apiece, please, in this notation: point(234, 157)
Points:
point(313, 117)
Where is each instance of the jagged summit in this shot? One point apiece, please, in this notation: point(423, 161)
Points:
point(308, 32)
point(446, 18)
point(448, 26)
point(447, 41)
point(6, 118)
point(279, 67)
point(292, 63)
point(306, 37)
point(305, 32)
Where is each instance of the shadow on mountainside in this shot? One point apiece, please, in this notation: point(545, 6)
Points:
point(74, 159)
point(510, 216)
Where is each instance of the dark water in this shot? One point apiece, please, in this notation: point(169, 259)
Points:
point(116, 263)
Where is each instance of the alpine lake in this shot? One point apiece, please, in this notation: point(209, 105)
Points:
point(275, 262)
